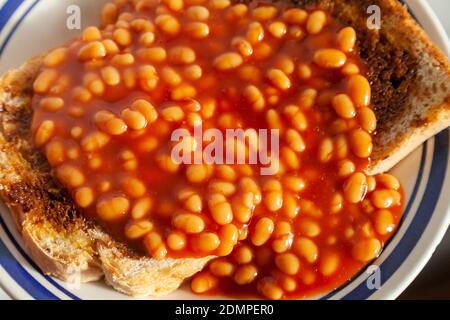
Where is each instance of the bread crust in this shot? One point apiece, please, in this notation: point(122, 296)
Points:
point(415, 78)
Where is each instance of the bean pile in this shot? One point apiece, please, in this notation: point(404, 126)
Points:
point(106, 104)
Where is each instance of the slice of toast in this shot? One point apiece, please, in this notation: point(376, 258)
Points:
point(411, 87)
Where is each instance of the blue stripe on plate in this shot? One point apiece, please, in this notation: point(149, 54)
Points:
point(7, 10)
point(5, 43)
point(22, 277)
point(32, 263)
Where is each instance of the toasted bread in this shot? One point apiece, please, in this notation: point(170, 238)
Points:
point(410, 78)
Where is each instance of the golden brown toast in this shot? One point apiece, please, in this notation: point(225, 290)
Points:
point(410, 79)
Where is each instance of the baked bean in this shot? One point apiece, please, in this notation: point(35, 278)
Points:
point(290, 206)
point(220, 209)
point(355, 187)
point(222, 187)
point(197, 30)
point(279, 79)
point(367, 119)
point(203, 282)
point(269, 288)
point(245, 274)
point(277, 29)
point(249, 73)
point(92, 50)
point(263, 230)
point(307, 249)
point(81, 94)
point(167, 163)
point(197, 173)
point(295, 16)
point(183, 92)
point(228, 235)
point(109, 123)
point(307, 98)
point(44, 132)
point(236, 12)
point(384, 222)
point(141, 208)
point(181, 55)
point(122, 60)
point(221, 268)
point(359, 90)
point(84, 197)
point(227, 61)
point(243, 254)
point(153, 55)
point(205, 242)
point(385, 198)
point(325, 150)
point(154, 245)
point(366, 250)
point(109, 13)
point(52, 104)
point(371, 183)
point(350, 69)
point(147, 38)
point(330, 58)
point(189, 223)
point(91, 34)
point(112, 207)
point(199, 13)
point(255, 33)
point(226, 172)
point(219, 4)
point(360, 143)
point(288, 263)
point(329, 263)
point(174, 5)
point(242, 46)
point(138, 229)
point(304, 71)
point(176, 241)
point(308, 228)
point(55, 152)
point(297, 117)
point(172, 114)
point(44, 81)
point(134, 119)
point(346, 39)
point(282, 243)
point(388, 181)
point(343, 106)
point(264, 13)
point(296, 33)
point(142, 25)
point(122, 37)
point(274, 120)
point(55, 57)
point(346, 168)
point(295, 184)
point(295, 140)
point(193, 72)
point(111, 76)
point(146, 109)
point(290, 158)
point(168, 24)
point(316, 22)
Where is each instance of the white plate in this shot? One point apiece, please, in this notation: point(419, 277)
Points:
point(32, 26)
